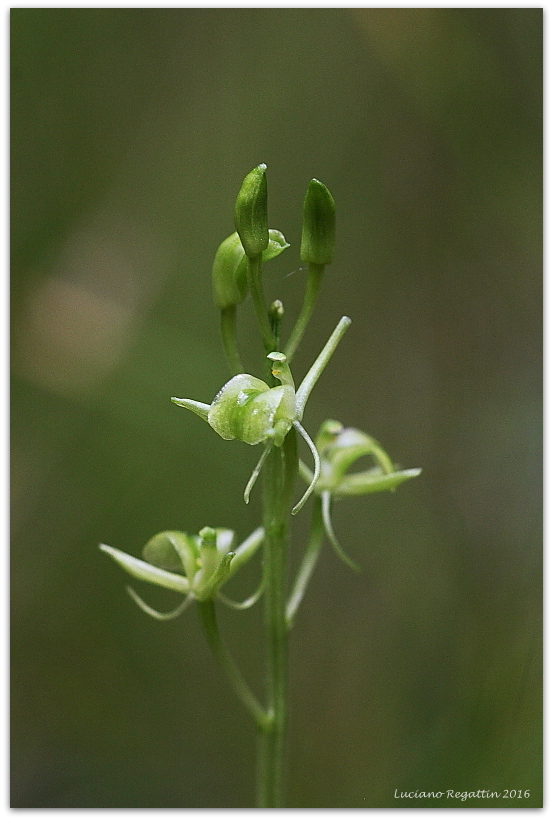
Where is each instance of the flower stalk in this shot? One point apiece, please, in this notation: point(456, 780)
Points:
point(211, 629)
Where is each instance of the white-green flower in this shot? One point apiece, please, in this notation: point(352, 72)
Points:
point(339, 448)
point(194, 565)
point(248, 410)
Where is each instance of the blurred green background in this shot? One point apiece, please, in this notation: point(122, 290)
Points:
point(131, 132)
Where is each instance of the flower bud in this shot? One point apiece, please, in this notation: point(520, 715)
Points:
point(250, 212)
point(229, 274)
point(276, 311)
point(319, 222)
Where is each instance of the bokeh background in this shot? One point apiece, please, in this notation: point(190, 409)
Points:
point(131, 132)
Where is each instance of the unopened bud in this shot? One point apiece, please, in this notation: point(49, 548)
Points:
point(250, 212)
point(229, 275)
point(319, 225)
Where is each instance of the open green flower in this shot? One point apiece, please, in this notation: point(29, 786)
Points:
point(339, 448)
point(248, 410)
point(194, 565)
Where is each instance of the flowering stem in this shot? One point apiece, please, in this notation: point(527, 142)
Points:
point(223, 656)
point(314, 278)
point(256, 290)
point(279, 474)
point(230, 343)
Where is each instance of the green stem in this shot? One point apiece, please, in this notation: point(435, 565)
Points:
point(223, 656)
point(316, 535)
point(258, 298)
point(279, 476)
point(314, 278)
point(230, 342)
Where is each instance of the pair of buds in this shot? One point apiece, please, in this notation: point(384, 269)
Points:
point(254, 238)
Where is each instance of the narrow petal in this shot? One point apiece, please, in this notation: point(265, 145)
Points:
point(247, 603)
point(255, 473)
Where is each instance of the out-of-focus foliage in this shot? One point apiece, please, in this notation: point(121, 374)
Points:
point(131, 132)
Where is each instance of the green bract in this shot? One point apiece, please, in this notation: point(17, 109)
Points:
point(230, 267)
point(250, 212)
point(319, 225)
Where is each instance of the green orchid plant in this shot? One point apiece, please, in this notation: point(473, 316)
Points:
point(266, 411)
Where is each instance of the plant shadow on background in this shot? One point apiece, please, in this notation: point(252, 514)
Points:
point(131, 130)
